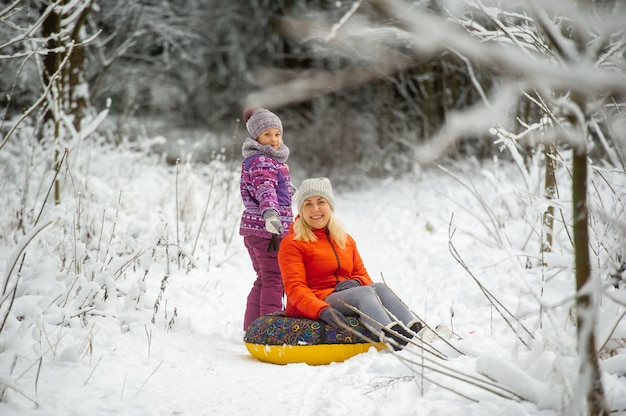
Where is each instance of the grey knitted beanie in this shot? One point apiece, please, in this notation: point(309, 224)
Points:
point(315, 187)
point(260, 119)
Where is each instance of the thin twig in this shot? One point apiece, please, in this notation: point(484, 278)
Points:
point(234, 139)
point(437, 365)
point(43, 97)
point(12, 262)
point(117, 213)
point(18, 391)
point(37, 375)
point(476, 381)
point(149, 336)
point(206, 207)
point(423, 345)
point(177, 211)
point(123, 387)
point(445, 341)
point(497, 305)
point(99, 239)
point(343, 20)
point(56, 174)
point(495, 222)
point(149, 377)
point(608, 337)
point(93, 370)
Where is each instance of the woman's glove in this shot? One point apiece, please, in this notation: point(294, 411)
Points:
point(334, 318)
point(272, 222)
point(347, 284)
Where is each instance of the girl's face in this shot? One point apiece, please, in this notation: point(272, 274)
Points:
point(316, 212)
point(271, 136)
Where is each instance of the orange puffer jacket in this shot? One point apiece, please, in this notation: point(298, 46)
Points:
point(311, 271)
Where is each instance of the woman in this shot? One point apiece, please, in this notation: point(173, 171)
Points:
point(323, 272)
point(266, 195)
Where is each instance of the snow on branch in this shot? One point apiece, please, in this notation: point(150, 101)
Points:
point(416, 35)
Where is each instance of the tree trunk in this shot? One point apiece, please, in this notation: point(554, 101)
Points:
point(550, 193)
point(71, 85)
point(51, 61)
point(77, 82)
point(51, 27)
point(589, 366)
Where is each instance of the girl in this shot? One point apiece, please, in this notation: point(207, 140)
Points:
point(266, 193)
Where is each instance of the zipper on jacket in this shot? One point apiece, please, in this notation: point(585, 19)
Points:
point(336, 255)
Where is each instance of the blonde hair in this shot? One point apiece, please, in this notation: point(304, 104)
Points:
point(304, 232)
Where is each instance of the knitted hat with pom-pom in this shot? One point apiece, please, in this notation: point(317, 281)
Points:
point(260, 119)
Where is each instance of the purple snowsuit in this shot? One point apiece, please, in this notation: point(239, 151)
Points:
point(265, 184)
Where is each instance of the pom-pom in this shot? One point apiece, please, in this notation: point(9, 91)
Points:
point(247, 113)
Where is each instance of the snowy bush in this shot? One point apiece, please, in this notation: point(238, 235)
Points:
point(108, 248)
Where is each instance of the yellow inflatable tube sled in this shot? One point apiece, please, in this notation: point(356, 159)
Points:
point(279, 339)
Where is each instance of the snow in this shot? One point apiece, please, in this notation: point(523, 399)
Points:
point(125, 308)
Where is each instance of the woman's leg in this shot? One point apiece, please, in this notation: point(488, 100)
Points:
point(398, 310)
point(381, 310)
point(365, 299)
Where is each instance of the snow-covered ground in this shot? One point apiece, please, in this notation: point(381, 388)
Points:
point(111, 318)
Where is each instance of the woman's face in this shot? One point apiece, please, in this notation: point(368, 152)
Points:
point(271, 136)
point(316, 212)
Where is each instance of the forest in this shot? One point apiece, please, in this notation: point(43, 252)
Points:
point(365, 88)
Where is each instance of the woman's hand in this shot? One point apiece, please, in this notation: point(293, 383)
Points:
point(347, 284)
point(334, 318)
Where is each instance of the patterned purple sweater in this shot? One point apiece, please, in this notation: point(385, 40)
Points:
point(265, 183)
